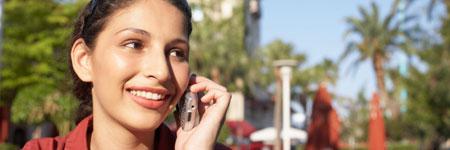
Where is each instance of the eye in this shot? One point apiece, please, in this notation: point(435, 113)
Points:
point(178, 54)
point(134, 44)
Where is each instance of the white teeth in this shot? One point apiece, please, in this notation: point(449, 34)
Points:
point(147, 95)
point(152, 95)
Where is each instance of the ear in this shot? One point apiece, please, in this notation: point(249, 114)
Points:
point(81, 60)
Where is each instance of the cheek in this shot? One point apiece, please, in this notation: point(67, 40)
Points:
point(181, 73)
point(112, 67)
point(181, 79)
point(122, 62)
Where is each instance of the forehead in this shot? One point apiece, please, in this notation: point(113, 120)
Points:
point(158, 17)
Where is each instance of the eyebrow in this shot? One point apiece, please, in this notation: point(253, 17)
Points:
point(179, 40)
point(135, 30)
point(145, 33)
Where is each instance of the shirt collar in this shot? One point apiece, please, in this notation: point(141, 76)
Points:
point(77, 138)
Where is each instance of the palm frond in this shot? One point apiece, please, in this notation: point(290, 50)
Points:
point(387, 21)
point(430, 9)
point(382, 35)
point(355, 65)
point(363, 12)
point(375, 14)
point(410, 18)
point(356, 26)
point(352, 46)
point(391, 15)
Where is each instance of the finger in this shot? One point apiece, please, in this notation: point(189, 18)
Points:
point(206, 86)
point(209, 99)
point(218, 103)
point(201, 83)
point(211, 95)
point(214, 114)
point(196, 79)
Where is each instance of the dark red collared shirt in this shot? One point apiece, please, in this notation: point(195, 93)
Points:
point(77, 139)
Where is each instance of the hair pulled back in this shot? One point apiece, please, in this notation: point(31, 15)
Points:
point(89, 24)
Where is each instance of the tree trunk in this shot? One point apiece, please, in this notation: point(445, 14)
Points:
point(378, 66)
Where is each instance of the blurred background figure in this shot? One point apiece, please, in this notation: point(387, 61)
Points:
point(323, 131)
point(377, 133)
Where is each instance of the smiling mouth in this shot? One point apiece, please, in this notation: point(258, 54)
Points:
point(148, 95)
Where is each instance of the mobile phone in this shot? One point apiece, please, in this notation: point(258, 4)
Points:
point(187, 108)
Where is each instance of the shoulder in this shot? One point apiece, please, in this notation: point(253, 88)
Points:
point(45, 144)
point(75, 139)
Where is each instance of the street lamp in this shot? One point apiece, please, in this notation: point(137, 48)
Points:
point(285, 70)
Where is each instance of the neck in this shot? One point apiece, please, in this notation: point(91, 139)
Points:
point(109, 134)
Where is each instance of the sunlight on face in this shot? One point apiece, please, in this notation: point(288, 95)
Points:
point(140, 65)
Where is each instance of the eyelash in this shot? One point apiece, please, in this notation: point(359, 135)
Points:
point(178, 53)
point(137, 44)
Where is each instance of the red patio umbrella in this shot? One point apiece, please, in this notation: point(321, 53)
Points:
point(323, 132)
point(241, 128)
point(376, 125)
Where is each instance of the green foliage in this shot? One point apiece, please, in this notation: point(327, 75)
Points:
point(402, 146)
point(429, 99)
point(224, 133)
point(379, 35)
point(325, 71)
point(217, 51)
point(263, 73)
point(34, 43)
point(427, 118)
point(377, 38)
point(34, 104)
point(30, 100)
point(217, 46)
point(6, 146)
point(34, 74)
point(263, 70)
point(356, 125)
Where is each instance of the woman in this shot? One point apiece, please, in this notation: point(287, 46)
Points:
point(129, 60)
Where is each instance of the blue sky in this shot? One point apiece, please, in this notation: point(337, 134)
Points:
point(316, 28)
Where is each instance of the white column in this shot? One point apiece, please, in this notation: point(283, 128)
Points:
point(286, 90)
point(285, 67)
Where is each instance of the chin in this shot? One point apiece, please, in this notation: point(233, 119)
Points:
point(144, 122)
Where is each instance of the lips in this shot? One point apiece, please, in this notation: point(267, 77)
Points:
point(151, 98)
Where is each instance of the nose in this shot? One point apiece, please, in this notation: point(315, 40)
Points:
point(156, 65)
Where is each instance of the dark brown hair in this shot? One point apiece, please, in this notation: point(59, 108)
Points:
point(89, 24)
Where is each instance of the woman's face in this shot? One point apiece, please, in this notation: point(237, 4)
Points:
point(140, 64)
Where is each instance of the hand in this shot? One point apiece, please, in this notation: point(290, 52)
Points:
point(212, 108)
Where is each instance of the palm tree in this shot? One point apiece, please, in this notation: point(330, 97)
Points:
point(378, 39)
point(217, 45)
